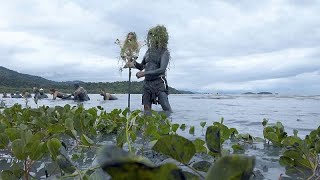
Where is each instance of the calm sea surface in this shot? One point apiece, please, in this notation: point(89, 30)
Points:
point(243, 112)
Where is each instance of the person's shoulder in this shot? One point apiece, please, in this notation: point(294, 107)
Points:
point(165, 51)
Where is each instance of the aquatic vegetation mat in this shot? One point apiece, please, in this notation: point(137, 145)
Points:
point(74, 142)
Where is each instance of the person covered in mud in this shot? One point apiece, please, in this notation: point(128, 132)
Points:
point(26, 94)
point(108, 96)
point(39, 93)
point(42, 95)
point(130, 48)
point(80, 94)
point(56, 94)
point(154, 64)
point(17, 95)
point(5, 95)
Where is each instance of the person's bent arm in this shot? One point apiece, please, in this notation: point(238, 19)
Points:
point(163, 65)
point(140, 66)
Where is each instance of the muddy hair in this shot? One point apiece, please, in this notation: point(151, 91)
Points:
point(158, 37)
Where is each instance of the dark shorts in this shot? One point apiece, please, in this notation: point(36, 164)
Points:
point(152, 89)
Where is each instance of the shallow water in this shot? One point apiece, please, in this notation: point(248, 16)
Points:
point(243, 112)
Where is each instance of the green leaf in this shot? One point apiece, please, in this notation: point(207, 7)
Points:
point(286, 161)
point(174, 127)
point(191, 130)
point(313, 134)
point(291, 140)
point(199, 145)
point(72, 133)
point(133, 136)
point(2, 127)
point(23, 127)
point(183, 127)
point(26, 136)
point(85, 140)
point(304, 163)
point(213, 139)
point(164, 129)
point(237, 148)
point(177, 147)
point(7, 175)
point(294, 154)
point(65, 164)
point(317, 146)
point(37, 151)
point(232, 167)
point(67, 107)
point(233, 131)
point(4, 140)
point(121, 138)
point(17, 169)
point(69, 124)
point(13, 133)
point(53, 146)
point(202, 166)
point(125, 112)
point(273, 137)
point(266, 130)
point(56, 128)
point(279, 125)
point(151, 130)
point(202, 124)
point(18, 147)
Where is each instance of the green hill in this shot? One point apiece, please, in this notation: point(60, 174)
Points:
point(12, 81)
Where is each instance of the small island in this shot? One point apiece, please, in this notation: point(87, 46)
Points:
point(248, 93)
point(264, 93)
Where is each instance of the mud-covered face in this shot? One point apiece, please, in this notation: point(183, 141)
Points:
point(131, 36)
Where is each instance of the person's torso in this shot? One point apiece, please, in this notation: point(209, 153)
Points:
point(153, 61)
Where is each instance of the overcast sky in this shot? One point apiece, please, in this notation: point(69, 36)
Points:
point(229, 45)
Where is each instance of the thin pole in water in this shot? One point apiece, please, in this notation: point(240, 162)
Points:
point(129, 89)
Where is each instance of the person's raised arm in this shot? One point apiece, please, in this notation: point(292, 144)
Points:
point(163, 65)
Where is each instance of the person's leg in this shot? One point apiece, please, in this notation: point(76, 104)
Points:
point(146, 101)
point(164, 101)
point(147, 107)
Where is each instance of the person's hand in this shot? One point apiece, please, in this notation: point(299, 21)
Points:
point(129, 65)
point(140, 74)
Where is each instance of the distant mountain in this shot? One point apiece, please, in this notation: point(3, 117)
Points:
point(12, 81)
point(10, 78)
